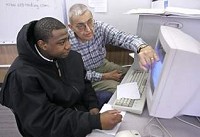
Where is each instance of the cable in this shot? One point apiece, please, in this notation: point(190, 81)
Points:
point(149, 130)
point(150, 133)
point(198, 119)
point(188, 123)
point(164, 127)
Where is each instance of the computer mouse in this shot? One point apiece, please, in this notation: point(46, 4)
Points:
point(128, 133)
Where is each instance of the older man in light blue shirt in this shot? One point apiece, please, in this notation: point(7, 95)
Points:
point(90, 37)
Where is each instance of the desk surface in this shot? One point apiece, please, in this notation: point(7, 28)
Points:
point(138, 122)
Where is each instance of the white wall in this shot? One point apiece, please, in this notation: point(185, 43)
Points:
point(14, 14)
point(115, 16)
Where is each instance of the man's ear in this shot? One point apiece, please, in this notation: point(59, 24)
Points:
point(42, 45)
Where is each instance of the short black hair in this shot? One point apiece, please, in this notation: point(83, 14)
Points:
point(44, 27)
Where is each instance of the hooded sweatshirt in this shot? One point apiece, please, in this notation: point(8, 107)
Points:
point(45, 103)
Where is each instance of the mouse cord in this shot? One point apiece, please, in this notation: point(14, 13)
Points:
point(198, 119)
point(164, 127)
point(149, 128)
point(188, 122)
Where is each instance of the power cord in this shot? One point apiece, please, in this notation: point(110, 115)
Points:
point(188, 122)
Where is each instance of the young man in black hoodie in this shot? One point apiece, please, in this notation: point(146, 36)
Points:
point(46, 88)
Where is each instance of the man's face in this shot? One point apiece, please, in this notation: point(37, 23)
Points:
point(58, 45)
point(83, 26)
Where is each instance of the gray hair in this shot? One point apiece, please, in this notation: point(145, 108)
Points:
point(77, 10)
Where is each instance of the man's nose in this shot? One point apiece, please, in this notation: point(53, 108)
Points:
point(87, 28)
point(67, 45)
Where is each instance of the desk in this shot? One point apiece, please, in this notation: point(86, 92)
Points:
point(139, 122)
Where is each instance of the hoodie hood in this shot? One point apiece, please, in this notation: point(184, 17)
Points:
point(26, 44)
point(27, 53)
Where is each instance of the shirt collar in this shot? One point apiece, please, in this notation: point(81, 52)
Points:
point(42, 55)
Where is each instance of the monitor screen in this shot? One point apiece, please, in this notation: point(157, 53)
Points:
point(173, 83)
point(157, 67)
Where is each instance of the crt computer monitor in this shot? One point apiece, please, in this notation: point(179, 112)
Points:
point(173, 86)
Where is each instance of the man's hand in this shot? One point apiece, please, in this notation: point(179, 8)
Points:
point(94, 111)
point(147, 57)
point(113, 75)
point(109, 119)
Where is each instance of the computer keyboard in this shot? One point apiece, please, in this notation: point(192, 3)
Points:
point(133, 105)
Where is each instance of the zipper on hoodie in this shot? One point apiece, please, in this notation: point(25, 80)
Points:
point(58, 68)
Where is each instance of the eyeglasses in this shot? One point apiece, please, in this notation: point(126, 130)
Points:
point(83, 26)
